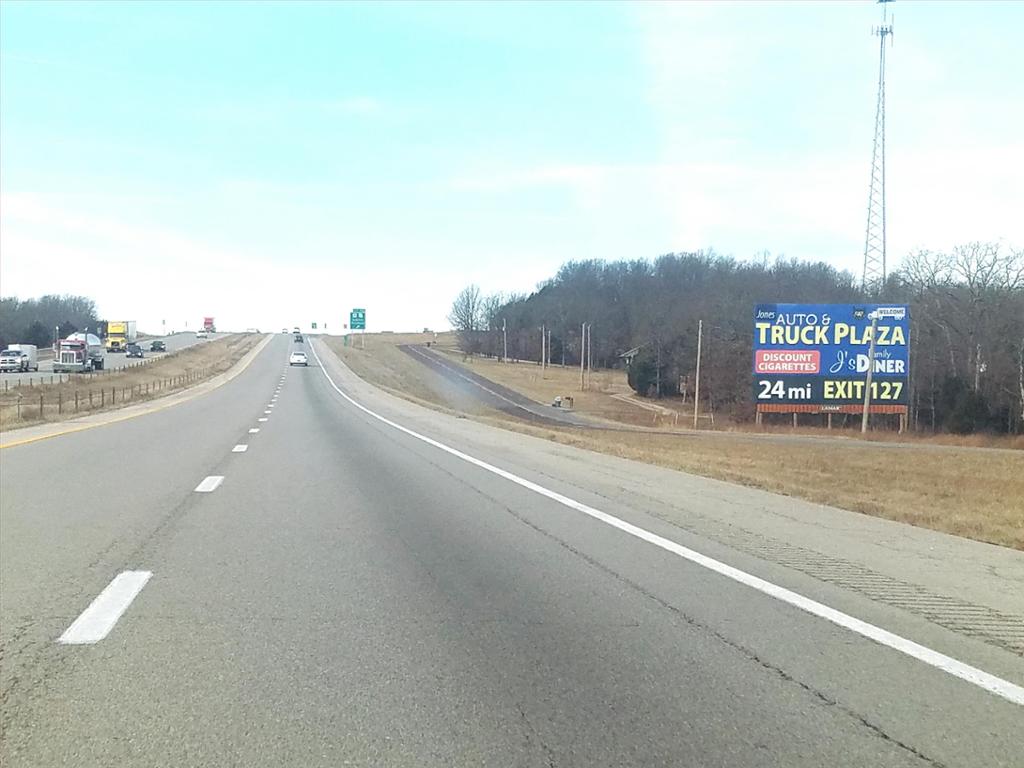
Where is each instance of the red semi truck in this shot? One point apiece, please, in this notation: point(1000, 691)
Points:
point(79, 353)
point(208, 325)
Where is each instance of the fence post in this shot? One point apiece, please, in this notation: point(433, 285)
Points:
point(60, 403)
point(40, 405)
point(76, 401)
point(103, 397)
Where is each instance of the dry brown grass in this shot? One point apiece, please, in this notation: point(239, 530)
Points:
point(970, 493)
point(977, 494)
point(115, 388)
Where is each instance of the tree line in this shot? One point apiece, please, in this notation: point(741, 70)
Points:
point(36, 321)
point(967, 325)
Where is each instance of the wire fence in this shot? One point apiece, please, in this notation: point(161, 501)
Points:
point(87, 393)
point(20, 379)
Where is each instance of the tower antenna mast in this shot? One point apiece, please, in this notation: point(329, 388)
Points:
point(874, 238)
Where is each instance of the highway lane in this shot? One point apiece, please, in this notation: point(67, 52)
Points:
point(174, 342)
point(349, 593)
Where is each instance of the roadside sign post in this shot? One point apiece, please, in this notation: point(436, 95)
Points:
point(357, 322)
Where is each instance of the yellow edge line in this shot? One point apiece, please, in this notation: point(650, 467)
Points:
point(148, 411)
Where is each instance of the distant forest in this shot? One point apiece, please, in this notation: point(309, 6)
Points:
point(967, 325)
point(36, 321)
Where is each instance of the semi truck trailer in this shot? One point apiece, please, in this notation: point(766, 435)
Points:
point(120, 333)
point(79, 353)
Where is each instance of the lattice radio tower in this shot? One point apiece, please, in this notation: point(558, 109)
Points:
point(874, 238)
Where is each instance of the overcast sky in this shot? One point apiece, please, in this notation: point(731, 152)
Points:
point(278, 164)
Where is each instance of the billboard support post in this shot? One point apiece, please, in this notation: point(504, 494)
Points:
point(871, 370)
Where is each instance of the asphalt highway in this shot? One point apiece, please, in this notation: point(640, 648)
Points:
point(174, 341)
point(280, 573)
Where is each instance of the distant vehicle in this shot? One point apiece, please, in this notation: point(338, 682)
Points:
point(133, 350)
point(19, 357)
point(120, 333)
point(201, 334)
point(296, 330)
point(79, 353)
point(298, 358)
point(157, 346)
point(284, 330)
point(298, 338)
point(208, 325)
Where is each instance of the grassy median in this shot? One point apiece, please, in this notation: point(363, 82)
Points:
point(962, 490)
point(114, 388)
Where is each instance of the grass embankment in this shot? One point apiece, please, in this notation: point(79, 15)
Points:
point(977, 494)
point(116, 388)
point(377, 359)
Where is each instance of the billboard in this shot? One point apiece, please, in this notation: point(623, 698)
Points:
point(813, 358)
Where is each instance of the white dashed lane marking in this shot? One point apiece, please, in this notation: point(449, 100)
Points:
point(240, 449)
point(210, 484)
point(99, 618)
point(254, 430)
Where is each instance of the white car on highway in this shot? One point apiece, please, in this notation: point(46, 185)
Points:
point(298, 358)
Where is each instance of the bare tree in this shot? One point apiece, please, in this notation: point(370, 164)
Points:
point(466, 317)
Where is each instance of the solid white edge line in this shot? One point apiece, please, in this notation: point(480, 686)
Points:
point(96, 621)
point(997, 685)
point(209, 484)
point(241, 448)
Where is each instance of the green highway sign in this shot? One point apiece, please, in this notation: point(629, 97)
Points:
point(357, 319)
point(314, 326)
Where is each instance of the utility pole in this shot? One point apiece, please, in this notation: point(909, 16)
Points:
point(657, 373)
point(867, 379)
point(696, 388)
point(504, 342)
point(549, 349)
point(583, 347)
point(590, 350)
point(543, 357)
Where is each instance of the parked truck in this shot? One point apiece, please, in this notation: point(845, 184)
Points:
point(79, 353)
point(120, 333)
point(19, 357)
